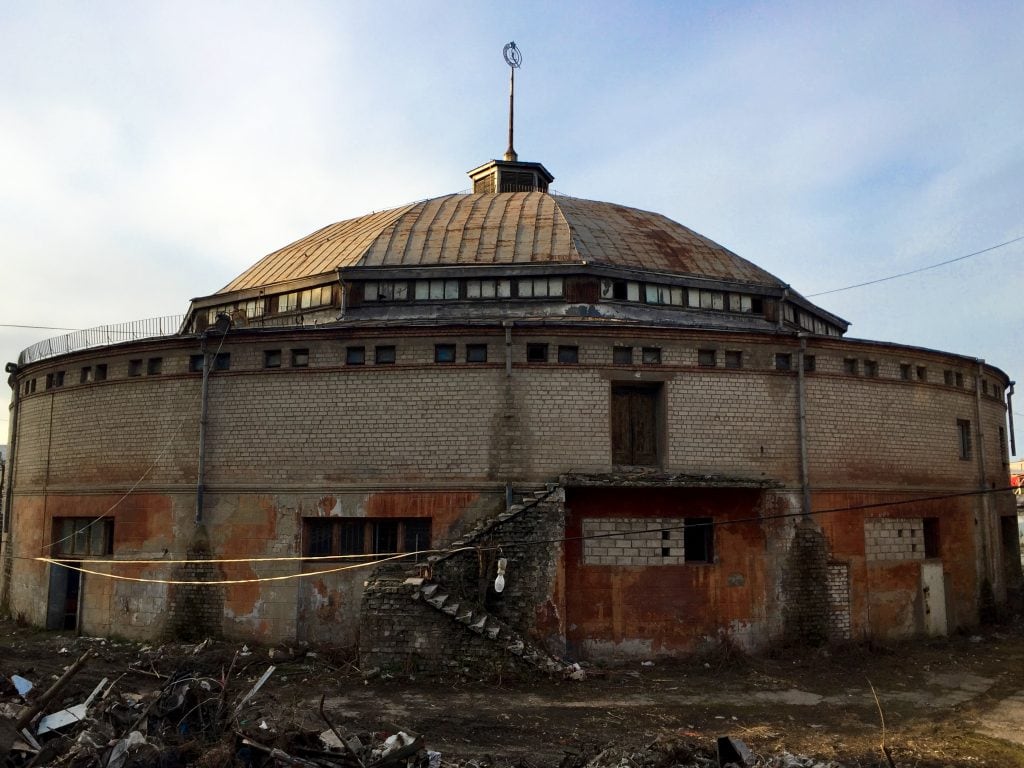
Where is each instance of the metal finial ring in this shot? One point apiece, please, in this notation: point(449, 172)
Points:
point(513, 56)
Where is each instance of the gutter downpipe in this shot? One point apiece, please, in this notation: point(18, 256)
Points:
point(801, 396)
point(507, 325)
point(782, 304)
point(1009, 417)
point(8, 486)
point(986, 530)
point(202, 431)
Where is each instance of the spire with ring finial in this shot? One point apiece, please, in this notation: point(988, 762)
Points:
point(514, 59)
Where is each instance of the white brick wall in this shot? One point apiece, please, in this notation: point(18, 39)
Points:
point(633, 541)
point(893, 538)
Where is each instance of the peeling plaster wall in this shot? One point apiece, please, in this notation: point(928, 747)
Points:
point(418, 439)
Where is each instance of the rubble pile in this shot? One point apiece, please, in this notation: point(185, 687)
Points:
point(190, 716)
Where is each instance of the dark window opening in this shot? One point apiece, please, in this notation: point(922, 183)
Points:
point(959, 378)
point(905, 371)
point(947, 378)
point(619, 290)
point(134, 367)
point(568, 354)
point(444, 353)
point(476, 353)
point(851, 366)
point(355, 355)
point(922, 373)
point(810, 363)
point(222, 361)
point(733, 359)
point(272, 358)
point(757, 305)
point(963, 427)
point(698, 540)
point(706, 358)
point(635, 415)
point(871, 368)
point(783, 361)
point(384, 354)
point(83, 536)
point(154, 366)
point(300, 358)
point(58, 379)
point(536, 353)
point(195, 363)
point(622, 355)
point(334, 536)
point(86, 376)
point(931, 537)
point(651, 355)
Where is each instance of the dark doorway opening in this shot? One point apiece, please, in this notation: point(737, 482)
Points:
point(65, 590)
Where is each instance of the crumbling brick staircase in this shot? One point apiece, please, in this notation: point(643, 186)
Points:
point(473, 616)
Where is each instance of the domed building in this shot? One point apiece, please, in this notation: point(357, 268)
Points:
point(652, 445)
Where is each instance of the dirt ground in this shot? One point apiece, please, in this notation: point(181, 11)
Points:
point(955, 701)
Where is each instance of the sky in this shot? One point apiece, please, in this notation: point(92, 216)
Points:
point(150, 152)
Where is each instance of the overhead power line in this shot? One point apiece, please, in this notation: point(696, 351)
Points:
point(920, 269)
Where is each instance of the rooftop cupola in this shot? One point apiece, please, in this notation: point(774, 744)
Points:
point(508, 174)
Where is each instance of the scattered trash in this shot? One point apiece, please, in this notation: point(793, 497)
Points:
point(22, 685)
point(70, 715)
point(647, 664)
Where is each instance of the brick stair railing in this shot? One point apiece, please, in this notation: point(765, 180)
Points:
point(484, 527)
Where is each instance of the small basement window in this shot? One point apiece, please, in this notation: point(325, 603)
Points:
point(699, 540)
point(272, 358)
point(476, 353)
point(355, 355)
point(568, 354)
point(384, 354)
point(536, 353)
point(444, 353)
point(651, 355)
point(300, 358)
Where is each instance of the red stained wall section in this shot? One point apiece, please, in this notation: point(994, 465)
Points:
point(666, 608)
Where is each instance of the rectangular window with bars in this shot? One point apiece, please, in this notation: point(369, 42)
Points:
point(335, 536)
point(83, 537)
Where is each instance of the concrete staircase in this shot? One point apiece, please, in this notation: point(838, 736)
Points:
point(479, 621)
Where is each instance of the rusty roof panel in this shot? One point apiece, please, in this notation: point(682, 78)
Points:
point(500, 229)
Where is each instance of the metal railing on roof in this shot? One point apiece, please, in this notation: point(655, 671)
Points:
point(102, 336)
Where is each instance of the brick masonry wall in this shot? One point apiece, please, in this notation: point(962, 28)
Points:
point(893, 538)
point(839, 626)
point(277, 435)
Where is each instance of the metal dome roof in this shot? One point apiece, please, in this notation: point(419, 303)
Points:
point(504, 229)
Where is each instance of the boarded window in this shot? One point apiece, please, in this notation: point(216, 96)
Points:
point(333, 536)
point(635, 424)
point(83, 536)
